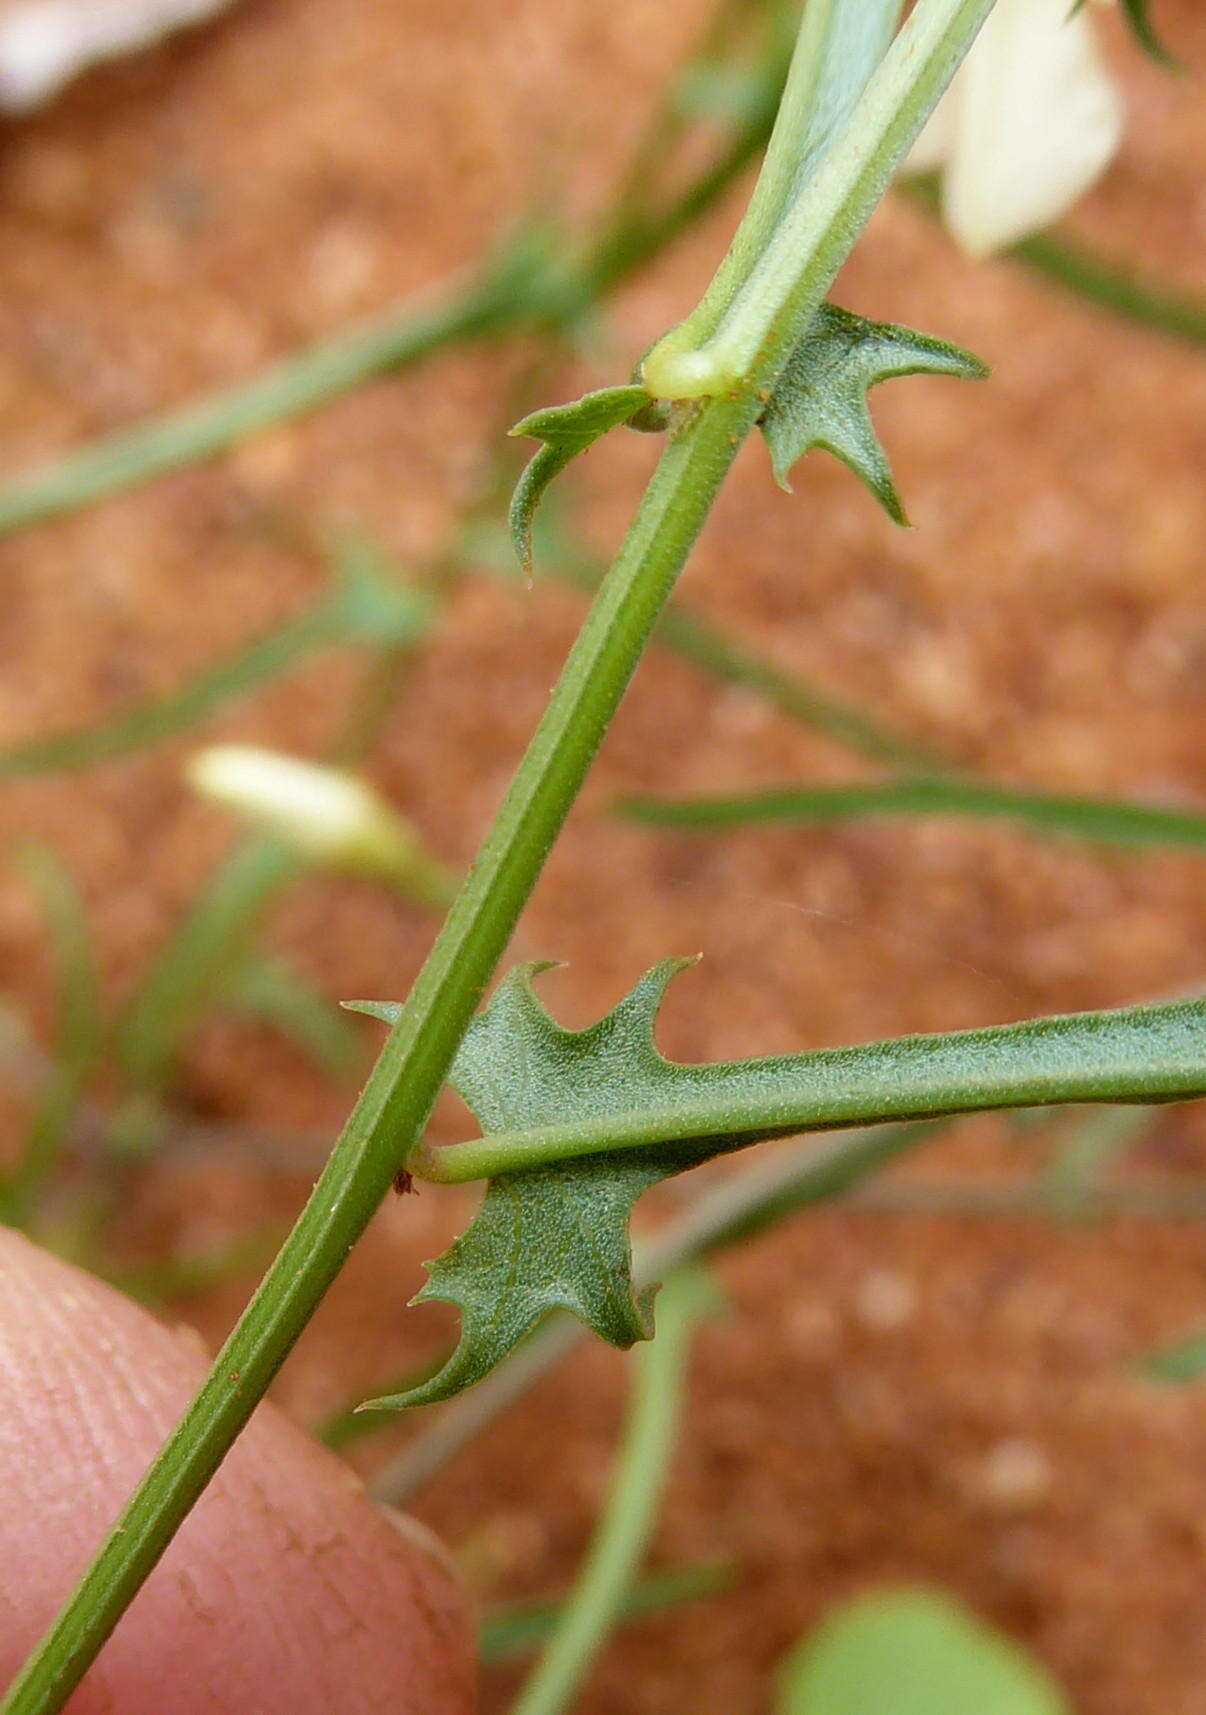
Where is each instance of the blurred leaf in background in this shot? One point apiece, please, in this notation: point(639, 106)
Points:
point(913, 1652)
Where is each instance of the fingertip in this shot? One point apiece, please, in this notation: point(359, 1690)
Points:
point(285, 1591)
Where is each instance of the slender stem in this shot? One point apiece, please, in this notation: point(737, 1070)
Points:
point(699, 641)
point(81, 1035)
point(517, 1630)
point(151, 722)
point(627, 1524)
point(1139, 1054)
point(205, 427)
point(403, 1086)
point(783, 285)
point(1111, 821)
point(398, 1097)
point(836, 52)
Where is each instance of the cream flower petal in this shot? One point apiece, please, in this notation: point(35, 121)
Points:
point(323, 812)
point(1037, 121)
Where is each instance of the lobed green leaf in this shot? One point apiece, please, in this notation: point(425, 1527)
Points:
point(577, 1124)
point(821, 397)
point(556, 1237)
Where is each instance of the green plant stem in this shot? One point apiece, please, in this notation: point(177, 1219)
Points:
point(206, 427)
point(518, 1630)
point(742, 1205)
point(200, 957)
point(1107, 821)
point(704, 645)
point(1138, 1054)
point(397, 1099)
point(81, 1035)
point(746, 338)
point(150, 723)
point(627, 1524)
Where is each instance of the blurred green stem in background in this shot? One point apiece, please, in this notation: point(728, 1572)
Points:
point(523, 286)
point(80, 1034)
point(526, 285)
point(1105, 821)
point(597, 1600)
point(518, 1630)
point(1103, 284)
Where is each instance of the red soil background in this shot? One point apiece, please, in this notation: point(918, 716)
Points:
point(891, 1398)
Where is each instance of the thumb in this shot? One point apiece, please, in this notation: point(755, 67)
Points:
point(285, 1593)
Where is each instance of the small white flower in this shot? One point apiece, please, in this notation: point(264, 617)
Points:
point(1030, 121)
point(328, 816)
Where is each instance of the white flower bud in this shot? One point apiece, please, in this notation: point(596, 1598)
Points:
point(327, 815)
point(1030, 121)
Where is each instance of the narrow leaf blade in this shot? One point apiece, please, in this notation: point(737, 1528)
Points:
point(566, 430)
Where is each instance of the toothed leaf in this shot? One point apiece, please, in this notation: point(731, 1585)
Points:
point(821, 398)
point(566, 430)
point(577, 1124)
point(555, 1237)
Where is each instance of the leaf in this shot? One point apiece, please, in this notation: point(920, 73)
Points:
point(913, 1652)
point(1144, 31)
point(557, 1236)
point(81, 1032)
point(566, 431)
point(1108, 821)
point(1183, 1362)
point(577, 1124)
point(821, 397)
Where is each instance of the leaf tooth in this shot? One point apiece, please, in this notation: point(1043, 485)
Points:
point(388, 1011)
point(863, 454)
point(536, 476)
point(638, 1011)
point(901, 351)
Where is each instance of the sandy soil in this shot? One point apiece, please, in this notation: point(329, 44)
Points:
point(176, 221)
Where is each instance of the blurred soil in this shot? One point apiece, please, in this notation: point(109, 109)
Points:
point(890, 1398)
